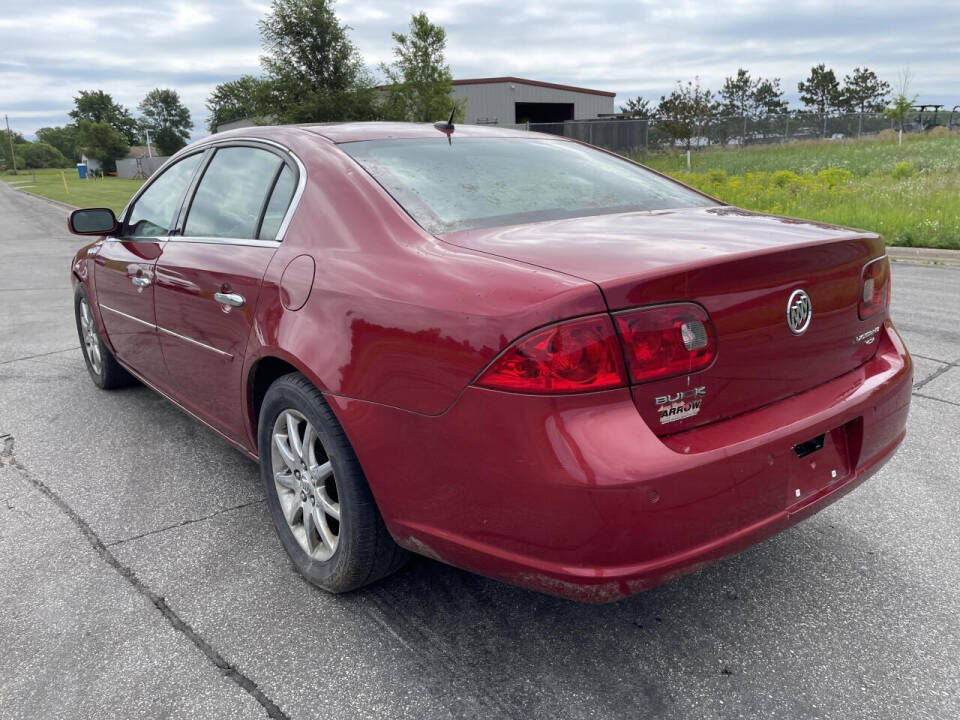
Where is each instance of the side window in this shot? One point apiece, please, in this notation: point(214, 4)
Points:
point(155, 211)
point(230, 197)
point(279, 202)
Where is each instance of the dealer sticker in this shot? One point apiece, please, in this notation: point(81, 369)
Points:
point(680, 406)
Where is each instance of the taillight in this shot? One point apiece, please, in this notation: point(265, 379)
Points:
point(575, 356)
point(874, 287)
point(666, 341)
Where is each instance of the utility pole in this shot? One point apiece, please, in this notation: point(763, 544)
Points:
point(13, 157)
point(149, 150)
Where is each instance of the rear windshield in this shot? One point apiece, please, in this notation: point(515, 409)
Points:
point(487, 182)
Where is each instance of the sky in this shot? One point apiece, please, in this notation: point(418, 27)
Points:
point(50, 50)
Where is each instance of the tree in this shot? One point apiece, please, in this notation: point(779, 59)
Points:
point(901, 105)
point(316, 72)
point(737, 93)
point(63, 138)
point(420, 82)
point(821, 92)
point(102, 141)
point(751, 99)
point(768, 98)
point(687, 111)
point(167, 119)
point(865, 92)
point(248, 97)
point(638, 107)
point(99, 107)
point(40, 155)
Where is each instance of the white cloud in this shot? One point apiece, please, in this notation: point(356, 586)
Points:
point(189, 15)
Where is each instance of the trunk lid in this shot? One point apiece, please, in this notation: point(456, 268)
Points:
point(741, 267)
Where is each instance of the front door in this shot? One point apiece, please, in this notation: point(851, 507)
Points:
point(124, 272)
point(208, 279)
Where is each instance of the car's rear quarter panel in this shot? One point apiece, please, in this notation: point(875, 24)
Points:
point(396, 317)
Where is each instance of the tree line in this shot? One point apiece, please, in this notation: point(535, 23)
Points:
point(691, 111)
point(313, 72)
point(104, 129)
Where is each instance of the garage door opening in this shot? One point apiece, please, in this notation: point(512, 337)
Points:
point(534, 112)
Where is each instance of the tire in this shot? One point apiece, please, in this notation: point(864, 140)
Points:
point(337, 551)
point(103, 367)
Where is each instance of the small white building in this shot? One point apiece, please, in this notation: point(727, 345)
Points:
point(513, 100)
point(92, 163)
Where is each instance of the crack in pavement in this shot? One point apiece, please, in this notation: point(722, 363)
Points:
point(39, 355)
point(932, 376)
point(7, 458)
point(29, 289)
point(931, 397)
point(936, 360)
point(184, 523)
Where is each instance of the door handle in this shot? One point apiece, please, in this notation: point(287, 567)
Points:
point(140, 282)
point(229, 299)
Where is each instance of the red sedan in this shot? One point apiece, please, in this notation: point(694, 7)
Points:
point(507, 351)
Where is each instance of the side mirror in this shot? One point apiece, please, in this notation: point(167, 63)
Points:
point(92, 221)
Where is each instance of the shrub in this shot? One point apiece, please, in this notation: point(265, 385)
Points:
point(903, 170)
point(717, 176)
point(832, 177)
point(888, 134)
point(41, 155)
point(785, 178)
point(939, 131)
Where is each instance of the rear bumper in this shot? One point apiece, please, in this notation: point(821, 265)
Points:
point(575, 496)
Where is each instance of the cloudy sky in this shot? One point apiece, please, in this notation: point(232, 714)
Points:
point(49, 50)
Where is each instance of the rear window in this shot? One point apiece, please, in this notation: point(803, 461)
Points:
point(487, 182)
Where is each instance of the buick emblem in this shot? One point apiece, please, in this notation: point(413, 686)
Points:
point(799, 312)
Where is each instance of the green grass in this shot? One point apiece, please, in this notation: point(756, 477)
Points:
point(910, 194)
point(106, 192)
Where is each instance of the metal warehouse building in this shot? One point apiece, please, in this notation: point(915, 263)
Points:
point(510, 100)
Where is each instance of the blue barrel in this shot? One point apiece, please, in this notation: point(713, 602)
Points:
point(81, 170)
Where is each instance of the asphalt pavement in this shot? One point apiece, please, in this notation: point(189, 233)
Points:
point(140, 576)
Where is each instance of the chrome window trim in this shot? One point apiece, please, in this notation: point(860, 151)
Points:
point(217, 142)
point(297, 194)
point(190, 340)
point(252, 242)
point(129, 317)
point(137, 238)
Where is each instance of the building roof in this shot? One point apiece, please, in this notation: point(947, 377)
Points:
point(140, 151)
point(356, 131)
point(536, 83)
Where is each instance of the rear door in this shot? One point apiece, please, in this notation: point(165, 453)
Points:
point(208, 277)
point(124, 270)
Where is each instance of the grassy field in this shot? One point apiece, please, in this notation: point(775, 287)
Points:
point(910, 194)
point(106, 192)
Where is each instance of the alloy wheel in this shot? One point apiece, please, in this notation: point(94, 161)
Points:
point(306, 486)
point(91, 341)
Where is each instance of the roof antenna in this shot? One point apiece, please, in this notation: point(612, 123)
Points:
point(447, 127)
